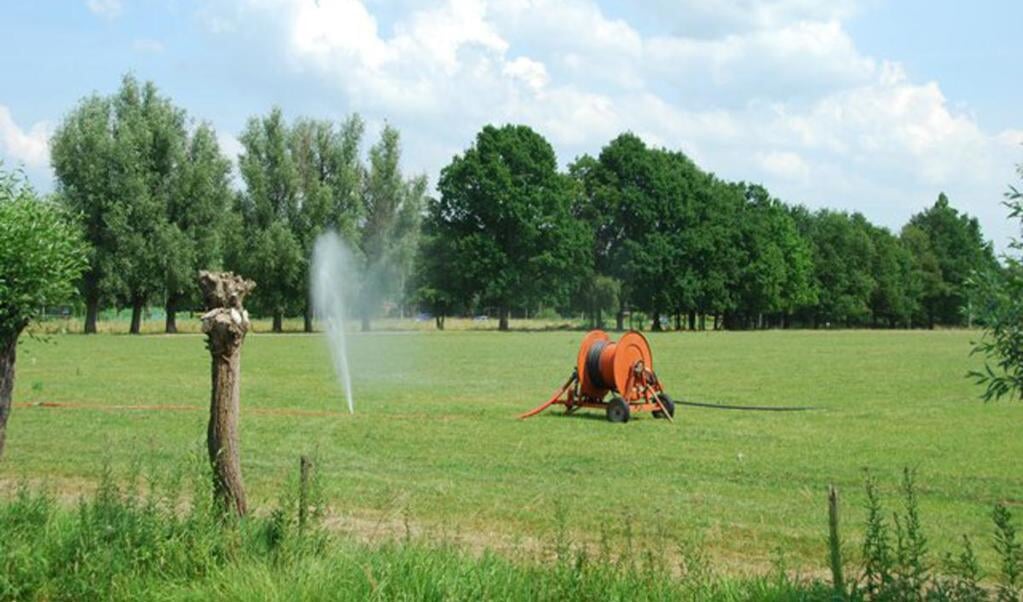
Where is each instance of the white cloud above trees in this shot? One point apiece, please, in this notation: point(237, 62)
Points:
point(29, 147)
point(774, 91)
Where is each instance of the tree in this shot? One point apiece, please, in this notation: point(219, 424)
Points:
point(42, 255)
point(225, 324)
point(504, 218)
point(269, 251)
point(438, 287)
point(192, 238)
point(776, 275)
point(960, 250)
point(81, 151)
point(998, 302)
point(387, 237)
point(330, 178)
point(842, 252)
point(639, 204)
point(148, 154)
point(896, 293)
point(118, 161)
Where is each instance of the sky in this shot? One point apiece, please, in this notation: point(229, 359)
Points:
point(860, 105)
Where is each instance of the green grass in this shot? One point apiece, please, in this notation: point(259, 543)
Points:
point(435, 439)
point(123, 543)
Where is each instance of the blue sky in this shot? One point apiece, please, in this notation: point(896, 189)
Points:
point(861, 105)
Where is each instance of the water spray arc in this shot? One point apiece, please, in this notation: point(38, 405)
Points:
point(330, 270)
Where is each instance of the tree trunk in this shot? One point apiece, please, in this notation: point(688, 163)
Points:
point(8, 349)
point(439, 321)
point(655, 323)
point(278, 325)
point(307, 317)
point(171, 324)
point(502, 323)
point(91, 311)
point(136, 315)
point(620, 320)
point(366, 325)
point(225, 324)
point(692, 320)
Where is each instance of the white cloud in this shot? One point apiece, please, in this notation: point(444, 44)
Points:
point(533, 73)
point(105, 8)
point(784, 164)
point(31, 148)
point(773, 91)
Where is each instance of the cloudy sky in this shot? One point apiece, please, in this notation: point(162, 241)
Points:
point(866, 105)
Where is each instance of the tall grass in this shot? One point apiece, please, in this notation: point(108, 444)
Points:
point(162, 538)
point(897, 565)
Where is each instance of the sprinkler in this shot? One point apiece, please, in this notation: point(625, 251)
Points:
point(625, 369)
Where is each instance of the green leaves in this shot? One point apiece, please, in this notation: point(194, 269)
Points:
point(42, 254)
point(504, 222)
point(996, 300)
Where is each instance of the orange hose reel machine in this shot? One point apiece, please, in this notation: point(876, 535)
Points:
point(624, 368)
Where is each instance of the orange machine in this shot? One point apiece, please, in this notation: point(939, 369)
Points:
point(624, 368)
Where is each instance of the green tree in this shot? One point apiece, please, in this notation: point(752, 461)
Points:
point(959, 247)
point(895, 297)
point(638, 203)
point(393, 207)
point(81, 152)
point(842, 254)
point(504, 216)
point(192, 239)
point(268, 251)
point(330, 176)
point(776, 275)
point(148, 154)
point(998, 301)
point(439, 288)
point(925, 281)
point(125, 164)
point(42, 255)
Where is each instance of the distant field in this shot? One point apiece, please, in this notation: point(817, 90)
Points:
point(435, 441)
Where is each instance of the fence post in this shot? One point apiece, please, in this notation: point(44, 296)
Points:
point(835, 544)
point(305, 466)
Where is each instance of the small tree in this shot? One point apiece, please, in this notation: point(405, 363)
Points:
point(42, 255)
point(997, 301)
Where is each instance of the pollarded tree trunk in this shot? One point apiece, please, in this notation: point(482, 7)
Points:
point(502, 322)
point(136, 315)
point(8, 349)
point(225, 324)
point(278, 325)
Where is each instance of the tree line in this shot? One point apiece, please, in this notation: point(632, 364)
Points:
point(641, 228)
point(634, 230)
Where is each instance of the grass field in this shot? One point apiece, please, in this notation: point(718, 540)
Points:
point(434, 441)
